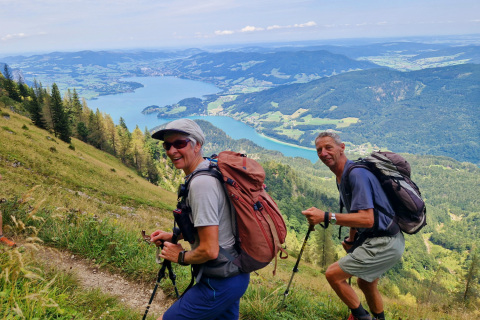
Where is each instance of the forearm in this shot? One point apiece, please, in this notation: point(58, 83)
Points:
point(360, 219)
point(208, 247)
point(355, 220)
point(199, 255)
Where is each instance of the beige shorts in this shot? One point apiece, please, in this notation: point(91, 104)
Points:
point(374, 257)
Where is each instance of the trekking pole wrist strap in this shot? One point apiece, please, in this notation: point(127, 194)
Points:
point(326, 219)
point(348, 242)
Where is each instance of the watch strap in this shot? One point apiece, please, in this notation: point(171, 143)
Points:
point(181, 258)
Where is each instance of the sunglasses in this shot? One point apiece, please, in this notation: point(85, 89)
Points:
point(178, 144)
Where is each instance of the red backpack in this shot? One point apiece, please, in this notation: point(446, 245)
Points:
point(260, 227)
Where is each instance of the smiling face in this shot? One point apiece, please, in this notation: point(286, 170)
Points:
point(187, 158)
point(331, 153)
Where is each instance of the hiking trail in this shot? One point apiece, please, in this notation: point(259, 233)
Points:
point(90, 276)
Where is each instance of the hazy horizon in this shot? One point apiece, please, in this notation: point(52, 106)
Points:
point(57, 25)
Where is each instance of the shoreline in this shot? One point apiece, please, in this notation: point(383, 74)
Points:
point(285, 143)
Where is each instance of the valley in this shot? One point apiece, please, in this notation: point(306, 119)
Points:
point(110, 179)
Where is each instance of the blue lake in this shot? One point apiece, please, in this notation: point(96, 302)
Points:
point(163, 91)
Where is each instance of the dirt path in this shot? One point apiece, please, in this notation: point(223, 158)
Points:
point(132, 294)
point(427, 244)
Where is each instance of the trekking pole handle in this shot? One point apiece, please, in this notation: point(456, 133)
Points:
point(176, 233)
point(310, 229)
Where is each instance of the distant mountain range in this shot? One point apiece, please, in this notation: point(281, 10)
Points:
point(291, 92)
point(265, 69)
point(431, 111)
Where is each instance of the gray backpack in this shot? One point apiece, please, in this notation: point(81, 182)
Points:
point(393, 172)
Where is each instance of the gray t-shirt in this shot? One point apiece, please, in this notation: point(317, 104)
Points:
point(207, 199)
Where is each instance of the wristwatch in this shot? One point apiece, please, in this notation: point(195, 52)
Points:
point(181, 258)
point(333, 220)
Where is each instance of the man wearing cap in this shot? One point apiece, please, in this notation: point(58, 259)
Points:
point(219, 283)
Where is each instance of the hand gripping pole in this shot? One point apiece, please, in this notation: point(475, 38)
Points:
point(166, 264)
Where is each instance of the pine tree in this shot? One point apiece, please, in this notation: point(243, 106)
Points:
point(138, 149)
point(153, 147)
point(152, 173)
point(67, 106)
point(111, 135)
point(326, 247)
point(39, 91)
point(10, 85)
point(77, 107)
point(95, 130)
point(124, 144)
point(23, 89)
point(47, 109)
point(472, 277)
point(35, 109)
point(123, 124)
point(82, 131)
point(61, 126)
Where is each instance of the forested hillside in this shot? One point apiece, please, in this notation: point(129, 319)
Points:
point(430, 111)
point(439, 265)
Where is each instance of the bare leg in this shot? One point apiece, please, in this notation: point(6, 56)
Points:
point(338, 281)
point(370, 290)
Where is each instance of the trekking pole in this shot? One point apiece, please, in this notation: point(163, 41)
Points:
point(166, 264)
point(295, 268)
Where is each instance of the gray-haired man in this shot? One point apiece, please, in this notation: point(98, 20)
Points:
point(375, 242)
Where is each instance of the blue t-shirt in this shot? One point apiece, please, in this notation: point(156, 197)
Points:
point(365, 192)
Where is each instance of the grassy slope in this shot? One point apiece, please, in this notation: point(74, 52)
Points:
point(85, 182)
point(47, 160)
point(82, 180)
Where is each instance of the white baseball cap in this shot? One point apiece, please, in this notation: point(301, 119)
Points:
point(185, 126)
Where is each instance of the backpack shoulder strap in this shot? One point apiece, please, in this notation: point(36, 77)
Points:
point(211, 171)
point(214, 171)
point(361, 163)
point(358, 164)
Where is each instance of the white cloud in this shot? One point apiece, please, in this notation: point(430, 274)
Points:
point(274, 27)
point(251, 29)
point(304, 25)
point(269, 28)
point(224, 32)
point(13, 36)
point(297, 25)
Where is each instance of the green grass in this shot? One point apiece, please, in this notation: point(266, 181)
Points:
point(87, 202)
point(43, 293)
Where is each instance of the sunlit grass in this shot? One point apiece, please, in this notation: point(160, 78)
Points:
point(73, 200)
point(31, 290)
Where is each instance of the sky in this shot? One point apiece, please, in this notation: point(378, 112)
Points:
point(33, 26)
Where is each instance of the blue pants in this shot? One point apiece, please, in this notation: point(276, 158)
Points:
point(210, 299)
